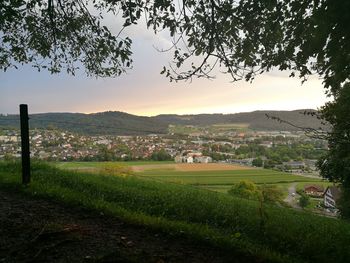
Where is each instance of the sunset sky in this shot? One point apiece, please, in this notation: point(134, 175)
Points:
point(143, 91)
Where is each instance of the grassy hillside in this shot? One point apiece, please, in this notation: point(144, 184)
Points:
point(282, 235)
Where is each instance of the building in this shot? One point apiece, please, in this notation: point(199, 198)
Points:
point(193, 157)
point(203, 159)
point(183, 159)
point(293, 165)
point(314, 190)
point(188, 159)
point(178, 159)
point(331, 196)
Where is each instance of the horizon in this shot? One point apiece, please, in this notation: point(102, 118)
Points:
point(184, 114)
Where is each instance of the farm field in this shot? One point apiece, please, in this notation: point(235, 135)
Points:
point(222, 180)
point(215, 128)
point(213, 176)
point(73, 165)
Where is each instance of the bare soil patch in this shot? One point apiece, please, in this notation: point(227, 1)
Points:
point(191, 167)
point(37, 230)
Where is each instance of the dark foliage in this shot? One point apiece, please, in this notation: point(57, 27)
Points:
point(119, 123)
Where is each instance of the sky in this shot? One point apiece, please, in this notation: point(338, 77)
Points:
point(143, 91)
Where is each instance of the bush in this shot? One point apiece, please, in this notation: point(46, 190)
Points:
point(304, 200)
point(245, 189)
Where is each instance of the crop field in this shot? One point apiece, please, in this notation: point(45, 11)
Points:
point(79, 165)
point(224, 178)
point(213, 176)
point(188, 167)
point(215, 128)
point(183, 129)
point(229, 127)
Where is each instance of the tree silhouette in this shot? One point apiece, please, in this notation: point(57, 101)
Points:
point(242, 38)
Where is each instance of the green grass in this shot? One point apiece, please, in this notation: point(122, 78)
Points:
point(216, 128)
point(220, 181)
point(228, 127)
point(313, 202)
point(74, 165)
point(224, 188)
point(211, 178)
point(219, 219)
point(183, 129)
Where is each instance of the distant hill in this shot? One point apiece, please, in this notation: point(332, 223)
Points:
point(257, 120)
point(121, 123)
point(103, 123)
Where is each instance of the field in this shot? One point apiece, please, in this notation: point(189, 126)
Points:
point(79, 165)
point(213, 176)
point(220, 177)
point(215, 128)
point(188, 167)
point(229, 127)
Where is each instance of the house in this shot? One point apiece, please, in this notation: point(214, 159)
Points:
point(192, 158)
point(189, 159)
point(247, 161)
point(293, 165)
point(311, 164)
point(314, 190)
point(178, 159)
point(203, 159)
point(194, 154)
point(266, 144)
point(331, 196)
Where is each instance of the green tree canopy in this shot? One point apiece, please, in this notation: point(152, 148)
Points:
point(249, 190)
point(304, 200)
point(258, 162)
point(161, 155)
point(335, 165)
point(242, 37)
point(245, 189)
point(63, 35)
point(271, 193)
point(249, 37)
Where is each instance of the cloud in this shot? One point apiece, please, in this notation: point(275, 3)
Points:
point(144, 91)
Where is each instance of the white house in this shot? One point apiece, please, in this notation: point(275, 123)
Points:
point(331, 196)
point(203, 159)
point(189, 159)
point(193, 157)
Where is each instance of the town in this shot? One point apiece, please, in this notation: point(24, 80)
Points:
point(282, 150)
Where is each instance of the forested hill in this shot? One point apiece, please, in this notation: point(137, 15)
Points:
point(103, 123)
point(256, 120)
point(120, 123)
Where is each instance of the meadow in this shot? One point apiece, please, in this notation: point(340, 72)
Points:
point(214, 176)
point(215, 128)
point(277, 235)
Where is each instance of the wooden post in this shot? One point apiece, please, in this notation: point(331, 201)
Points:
point(23, 109)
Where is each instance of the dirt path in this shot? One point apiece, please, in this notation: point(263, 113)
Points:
point(292, 197)
point(36, 230)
